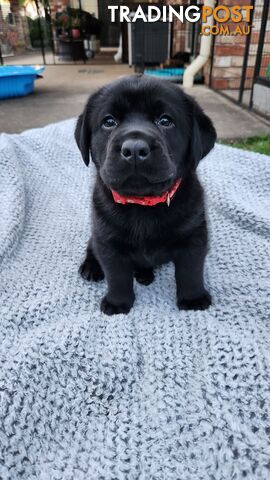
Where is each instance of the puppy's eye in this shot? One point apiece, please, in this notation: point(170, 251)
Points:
point(109, 122)
point(165, 121)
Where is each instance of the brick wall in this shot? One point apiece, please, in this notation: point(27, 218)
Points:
point(229, 53)
point(17, 35)
point(179, 29)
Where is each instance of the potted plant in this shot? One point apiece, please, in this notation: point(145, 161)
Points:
point(75, 27)
point(62, 24)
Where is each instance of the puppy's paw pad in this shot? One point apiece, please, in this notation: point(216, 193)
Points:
point(91, 270)
point(145, 277)
point(109, 309)
point(200, 303)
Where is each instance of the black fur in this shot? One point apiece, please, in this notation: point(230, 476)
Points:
point(131, 240)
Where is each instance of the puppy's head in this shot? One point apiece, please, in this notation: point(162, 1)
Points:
point(143, 135)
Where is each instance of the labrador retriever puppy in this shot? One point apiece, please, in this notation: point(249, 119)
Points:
point(146, 138)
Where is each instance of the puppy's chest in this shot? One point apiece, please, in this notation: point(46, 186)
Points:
point(151, 242)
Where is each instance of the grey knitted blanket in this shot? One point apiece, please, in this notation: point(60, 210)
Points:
point(158, 394)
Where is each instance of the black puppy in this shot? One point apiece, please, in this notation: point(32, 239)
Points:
point(146, 139)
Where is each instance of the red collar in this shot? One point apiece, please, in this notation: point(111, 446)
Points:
point(148, 201)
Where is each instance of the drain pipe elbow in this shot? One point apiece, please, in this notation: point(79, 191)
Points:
point(205, 51)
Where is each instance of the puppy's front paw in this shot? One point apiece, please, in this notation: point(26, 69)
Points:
point(91, 270)
point(200, 303)
point(109, 309)
point(145, 276)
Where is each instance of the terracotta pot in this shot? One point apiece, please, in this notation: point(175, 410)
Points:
point(75, 33)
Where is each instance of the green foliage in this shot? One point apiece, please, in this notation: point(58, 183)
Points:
point(68, 18)
point(255, 144)
point(35, 32)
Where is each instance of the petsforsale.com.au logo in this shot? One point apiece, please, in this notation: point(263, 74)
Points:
point(236, 15)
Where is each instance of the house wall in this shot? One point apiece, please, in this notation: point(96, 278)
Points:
point(15, 37)
point(90, 6)
point(179, 30)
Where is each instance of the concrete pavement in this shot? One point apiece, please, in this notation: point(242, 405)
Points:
point(231, 121)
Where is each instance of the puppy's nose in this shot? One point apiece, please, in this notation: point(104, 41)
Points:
point(135, 150)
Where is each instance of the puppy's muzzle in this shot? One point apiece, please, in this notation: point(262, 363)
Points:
point(135, 150)
point(137, 162)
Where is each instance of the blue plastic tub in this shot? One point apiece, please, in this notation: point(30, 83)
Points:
point(172, 74)
point(18, 80)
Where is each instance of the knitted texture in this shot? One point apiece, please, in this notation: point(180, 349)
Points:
point(158, 394)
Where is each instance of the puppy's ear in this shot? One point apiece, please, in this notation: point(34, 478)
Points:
point(83, 135)
point(203, 135)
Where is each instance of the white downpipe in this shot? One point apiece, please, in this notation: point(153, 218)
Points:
point(118, 56)
point(205, 50)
